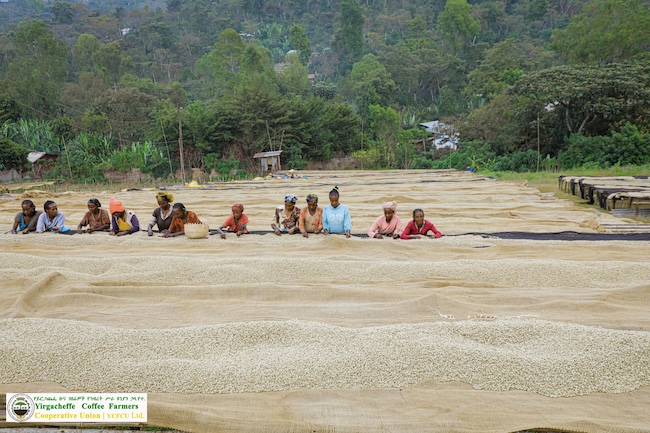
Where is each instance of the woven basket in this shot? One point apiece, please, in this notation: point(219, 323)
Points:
point(196, 231)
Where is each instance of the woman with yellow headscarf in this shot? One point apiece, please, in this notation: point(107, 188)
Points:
point(162, 215)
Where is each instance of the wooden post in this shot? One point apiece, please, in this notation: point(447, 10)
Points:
point(538, 147)
point(169, 157)
point(68, 158)
point(180, 144)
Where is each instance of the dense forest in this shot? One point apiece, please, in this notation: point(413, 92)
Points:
point(116, 84)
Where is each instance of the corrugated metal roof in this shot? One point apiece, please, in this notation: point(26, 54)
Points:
point(34, 156)
point(267, 154)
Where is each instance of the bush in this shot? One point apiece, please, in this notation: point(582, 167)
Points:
point(227, 168)
point(369, 158)
point(627, 147)
point(524, 161)
point(12, 155)
point(421, 162)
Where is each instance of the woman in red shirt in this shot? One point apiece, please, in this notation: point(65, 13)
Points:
point(419, 227)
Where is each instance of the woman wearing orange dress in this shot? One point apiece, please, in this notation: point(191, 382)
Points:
point(181, 217)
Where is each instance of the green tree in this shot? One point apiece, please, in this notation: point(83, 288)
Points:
point(457, 25)
point(503, 123)
point(592, 100)
point(38, 71)
point(343, 123)
point(348, 39)
point(370, 84)
point(12, 155)
point(299, 41)
point(293, 78)
point(127, 113)
point(217, 71)
point(607, 31)
point(257, 67)
point(384, 123)
point(112, 59)
point(255, 117)
point(502, 66)
point(84, 51)
point(9, 109)
point(63, 12)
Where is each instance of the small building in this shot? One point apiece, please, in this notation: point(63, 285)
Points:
point(269, 161)
point(443, 136)
point(41, 161)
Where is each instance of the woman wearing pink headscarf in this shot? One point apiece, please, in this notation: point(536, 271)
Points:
point(235, 223)
point(389, 224)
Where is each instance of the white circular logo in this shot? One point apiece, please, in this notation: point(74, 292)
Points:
point(20, 407)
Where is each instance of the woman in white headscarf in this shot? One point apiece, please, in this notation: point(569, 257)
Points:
point(286, 216)
point(388, 224)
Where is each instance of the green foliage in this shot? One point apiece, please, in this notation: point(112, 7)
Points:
point(479, 156)
point(348, 40)
point(110, 58)
point(607, 31)
point(274, 37)
point(90, 156)
point(299, 41)
point(12, 155)
point(226, 168)
point(369, 83)
point(33, 135)
point(371, 157)
point(627, 147)
point(126, 111)
point(87, 155)
point(385, 124)
point(592, 99)
point(62, 127)
point(38, 70)
point(217, 70)
point(501, 67)
point(63, 12)
point(293, 78)
point(503, 123)
point(457, 25)
point(9, 109)
point(429, 60)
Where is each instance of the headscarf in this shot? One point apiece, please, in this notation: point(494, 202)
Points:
point(95, 202)
point(114, 205)
point(239, 207)
point(312, 197)
point(165, 195)
point(290, 198)
point(390, 205)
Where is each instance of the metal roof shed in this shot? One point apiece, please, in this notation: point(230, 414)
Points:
point(269, 161)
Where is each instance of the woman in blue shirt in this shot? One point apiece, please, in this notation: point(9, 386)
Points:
point(336, 216)
point(51, 220)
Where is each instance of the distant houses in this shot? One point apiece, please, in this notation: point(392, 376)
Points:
point(443, 136)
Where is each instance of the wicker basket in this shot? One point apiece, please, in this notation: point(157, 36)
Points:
point(196, 231)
